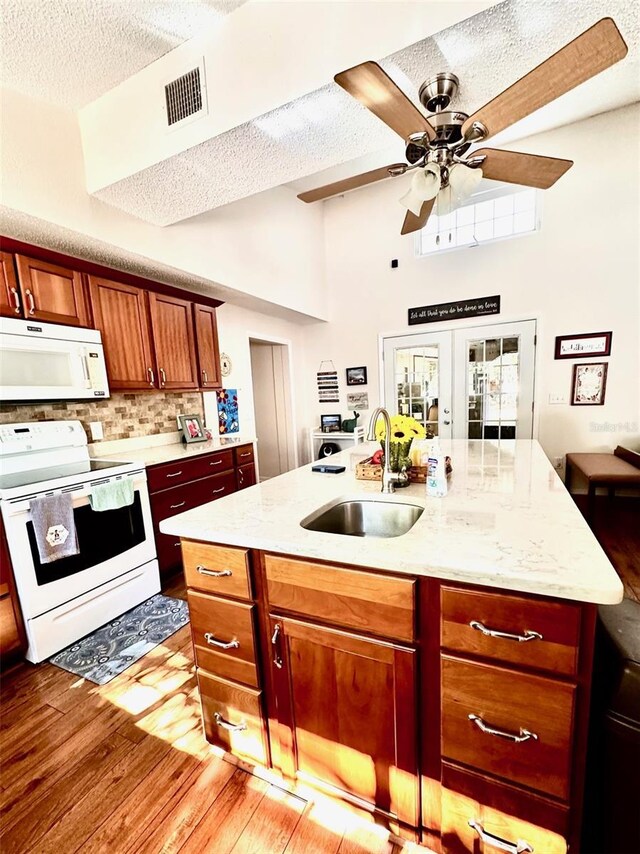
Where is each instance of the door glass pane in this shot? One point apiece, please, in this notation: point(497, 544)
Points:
point(493, 373)
point(35, 368)
point(416, 384)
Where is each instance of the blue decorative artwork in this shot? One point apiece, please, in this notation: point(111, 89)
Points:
point(228, 411)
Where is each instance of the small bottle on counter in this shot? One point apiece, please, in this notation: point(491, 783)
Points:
point(436, 471)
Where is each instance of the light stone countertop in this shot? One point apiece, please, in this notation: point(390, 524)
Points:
point(153, 455)
point(506, 522)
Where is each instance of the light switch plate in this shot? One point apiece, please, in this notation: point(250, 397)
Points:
point(97, 433)
point(558, 398)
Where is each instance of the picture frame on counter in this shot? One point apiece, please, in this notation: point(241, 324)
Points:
point(589, 383)
point(330, 423)
point(192, 429)
point(579, 346)
point(357, 376)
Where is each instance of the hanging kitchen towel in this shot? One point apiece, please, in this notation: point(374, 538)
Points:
point(112, 495)
point(54, 526)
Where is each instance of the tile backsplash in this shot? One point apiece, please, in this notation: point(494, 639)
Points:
point(123, 416)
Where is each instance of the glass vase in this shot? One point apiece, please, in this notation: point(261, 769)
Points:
point(399, 455)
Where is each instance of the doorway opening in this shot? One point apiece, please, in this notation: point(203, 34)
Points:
point(468, 383)
point(273, 407)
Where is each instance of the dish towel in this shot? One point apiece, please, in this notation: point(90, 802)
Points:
point(112, 495)
point(54, 526)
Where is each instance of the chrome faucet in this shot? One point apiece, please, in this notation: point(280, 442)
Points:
point(389, 478)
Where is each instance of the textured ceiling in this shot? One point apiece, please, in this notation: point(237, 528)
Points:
point(70, 52)
point(326, 128)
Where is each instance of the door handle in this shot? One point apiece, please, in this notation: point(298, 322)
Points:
point(163, 377)
point(16, 300)
point(446, 422)
point(277, 658)
point(150, 374)
point(31, 301)
point(205, 378)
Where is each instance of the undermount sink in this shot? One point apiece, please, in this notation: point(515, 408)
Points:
point(364, 518)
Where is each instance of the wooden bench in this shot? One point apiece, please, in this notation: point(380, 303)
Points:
point(622, 468)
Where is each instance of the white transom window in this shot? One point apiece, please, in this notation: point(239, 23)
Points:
point(494, 214)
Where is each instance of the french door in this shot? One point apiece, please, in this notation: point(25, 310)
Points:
point(471, 383)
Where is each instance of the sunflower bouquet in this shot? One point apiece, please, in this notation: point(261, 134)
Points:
point(404, 430)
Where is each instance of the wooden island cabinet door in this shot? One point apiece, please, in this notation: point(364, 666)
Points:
point(51, 293)
point(120, 313)
point(10, 305)
point(207, 346)
point(346, 713)
point(174, 342)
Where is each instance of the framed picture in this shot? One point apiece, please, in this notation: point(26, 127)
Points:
point(589, 383)
point(330, 423)
point(357, 376)
point(592, 344)
point(192, 429)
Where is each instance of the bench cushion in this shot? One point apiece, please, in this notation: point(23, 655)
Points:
point(604, 468)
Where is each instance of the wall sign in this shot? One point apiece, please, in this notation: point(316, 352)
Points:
point(454, 310)
point(592, 344)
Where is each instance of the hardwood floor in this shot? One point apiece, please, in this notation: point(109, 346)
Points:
point(617, 527)
point(124, 768)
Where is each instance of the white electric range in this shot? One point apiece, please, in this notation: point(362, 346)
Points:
point(116, 568)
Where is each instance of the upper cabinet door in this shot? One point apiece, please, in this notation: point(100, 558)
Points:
point(174, 342)
point(207, 346)
point(122, 316)
point(346, 713)
point(9, 296)
point(51, 293)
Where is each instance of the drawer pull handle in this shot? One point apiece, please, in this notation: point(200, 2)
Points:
point(16, 300)
point(175, 473)
point(519, 847)
point(225, 724)
point(216, 491)
point(277, 658)
point(214, 573)
point(163, 377)
point(216, 463)
point(210, 639)
point(524, 735)
point(246, 454)
point(151, 376)
point(494, 633)
point(175, 506)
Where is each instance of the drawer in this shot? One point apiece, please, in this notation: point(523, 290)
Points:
point(500, 817)
point(513, 703)
point(223, 636)
point(232, 718)
point(211, 488)
point(492, 625)
point(182, 471)
point(360, 600)
point(244, 455)
point(171, 501)
point(216, 569)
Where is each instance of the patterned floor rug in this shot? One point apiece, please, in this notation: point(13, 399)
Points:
point(111, 649)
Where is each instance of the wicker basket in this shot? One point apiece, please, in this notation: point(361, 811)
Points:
point(366, 470)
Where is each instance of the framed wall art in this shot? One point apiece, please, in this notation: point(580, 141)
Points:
point(590, 344)
point(357, 376)
point(589, 383)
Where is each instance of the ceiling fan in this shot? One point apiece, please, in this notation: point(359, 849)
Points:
point(436, 145)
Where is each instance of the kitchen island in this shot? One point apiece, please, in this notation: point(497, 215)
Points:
point(440, 678)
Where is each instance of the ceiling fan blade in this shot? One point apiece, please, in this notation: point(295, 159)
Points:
point(347, 184)
point(373, 87)
point(584, 57)
point(415, 223)
point(531, 170)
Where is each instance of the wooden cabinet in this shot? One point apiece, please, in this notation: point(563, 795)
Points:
point(173, 342)
point(120, 313)
point(246, 476)
point(10, 305)
point(12, 636)
point(348, 705)
point(233, 718)
point(51, 293)
point(206, 329)
point(216, 569)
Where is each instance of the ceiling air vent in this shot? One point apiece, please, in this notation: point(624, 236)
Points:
point(184, 97)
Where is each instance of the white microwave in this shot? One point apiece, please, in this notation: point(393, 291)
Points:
point(42, 361)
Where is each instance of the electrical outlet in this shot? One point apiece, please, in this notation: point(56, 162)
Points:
point(557, 398)
point(558, 463)
point(97, 433)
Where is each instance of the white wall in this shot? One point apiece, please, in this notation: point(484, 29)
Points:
point(580, 273)
point(268, 246)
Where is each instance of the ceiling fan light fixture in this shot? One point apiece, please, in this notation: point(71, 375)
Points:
point(424, 186)
point(464, 181)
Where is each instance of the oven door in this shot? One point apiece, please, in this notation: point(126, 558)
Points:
point(111, 542)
